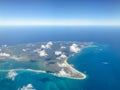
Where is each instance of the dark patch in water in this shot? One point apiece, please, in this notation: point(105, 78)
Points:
point(44, 80)
point(33, 61)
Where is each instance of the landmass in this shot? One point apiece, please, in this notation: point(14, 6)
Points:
point(49, 57)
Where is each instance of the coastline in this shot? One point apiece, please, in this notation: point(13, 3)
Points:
point(70, 71)
point(66, 70)
point(40, 71)
point(84, 76)
point(72, 68)
point(77, 74)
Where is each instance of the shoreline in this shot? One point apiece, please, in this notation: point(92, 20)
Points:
point(60, 68)
point(71, 73)
point(40, 71)
point(72, 68)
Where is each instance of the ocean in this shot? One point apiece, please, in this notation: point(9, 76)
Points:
point(101, 62)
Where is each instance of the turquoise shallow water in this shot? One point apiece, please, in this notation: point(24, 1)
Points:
point(97, 62)
point(101, 66)
point(40, 81)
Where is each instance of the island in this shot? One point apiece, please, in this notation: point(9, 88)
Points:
point(48, 57)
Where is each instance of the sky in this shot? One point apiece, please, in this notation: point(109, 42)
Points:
point(59, 12)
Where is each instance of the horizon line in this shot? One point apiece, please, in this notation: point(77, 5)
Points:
point(58, 23)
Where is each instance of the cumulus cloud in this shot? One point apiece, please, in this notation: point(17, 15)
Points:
point(62, 72)
point(12, 74)
point(42, 53)
point(47, 46)
point(58, 53)
point(62, 57)
point(74, 48)
point(61, 64)
point(28, 87)
point(50, 43)
point(24, 50)
point(43, 46)
point(4, 55)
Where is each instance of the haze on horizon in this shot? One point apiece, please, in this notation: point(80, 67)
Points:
point(60, 12)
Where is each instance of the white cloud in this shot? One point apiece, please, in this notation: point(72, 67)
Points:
point(47, 46)
point(63, 73)
point(25, 49)
point(43, 46)
point(42, 53)
point(58, 52)
point(74, 48)
point(28, 87)
point(62, 57)
point(61, 64)
point(50, 43)
point(12, 74)
point(4, 55)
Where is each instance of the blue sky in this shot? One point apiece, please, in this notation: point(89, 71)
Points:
point(60, 12)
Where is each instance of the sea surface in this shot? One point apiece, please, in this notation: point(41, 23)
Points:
point(100, 62)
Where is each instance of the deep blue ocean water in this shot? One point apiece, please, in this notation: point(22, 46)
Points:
point(100, 63)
